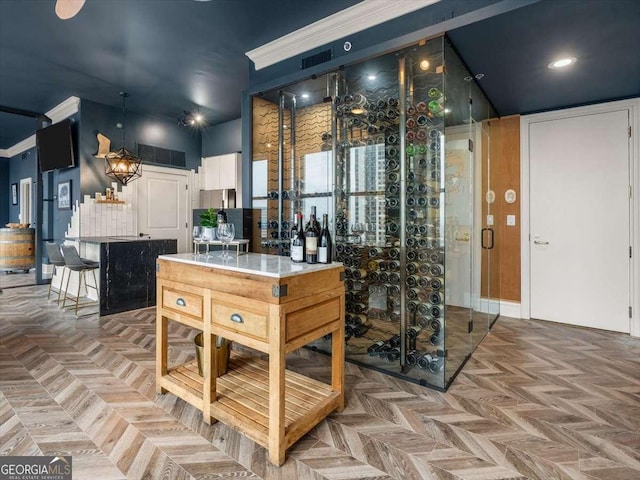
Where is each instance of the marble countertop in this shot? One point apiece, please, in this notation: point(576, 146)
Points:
point(254, 263)
point(115, 239)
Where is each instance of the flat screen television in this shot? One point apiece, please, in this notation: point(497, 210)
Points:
point(55, 146)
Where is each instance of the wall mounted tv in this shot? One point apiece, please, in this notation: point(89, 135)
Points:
point(55, 146)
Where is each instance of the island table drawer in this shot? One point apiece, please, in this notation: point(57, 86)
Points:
point(250, 319)
point(182, 302)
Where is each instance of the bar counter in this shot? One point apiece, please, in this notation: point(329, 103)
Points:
point(127, 274)
point(266, 303)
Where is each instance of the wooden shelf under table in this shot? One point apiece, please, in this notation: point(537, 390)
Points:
point(243, 395)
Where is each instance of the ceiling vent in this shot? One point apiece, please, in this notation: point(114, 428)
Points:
point(161, 156)
point(316, 59)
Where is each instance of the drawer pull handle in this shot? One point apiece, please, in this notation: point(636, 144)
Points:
point(237, 318)
point(181, 303)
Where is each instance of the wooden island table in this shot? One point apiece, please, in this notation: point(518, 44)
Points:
point(271, 305)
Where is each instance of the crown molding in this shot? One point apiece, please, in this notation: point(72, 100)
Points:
point(361, 16)
point(64, 110)
point(61, 111)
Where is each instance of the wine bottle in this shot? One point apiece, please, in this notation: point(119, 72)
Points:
point(221, 214)
point(435, 311)
point(311, 235)
point(375, 348)
point(436, 298)
point(324, 243)
point(436, 365)
point(436, 270)
point(392, 202)
point(394, 341)
point(413, 331)
point(435, 339)
point(359, 319)
point(424, 360)
point(359, 330)
point(434, 93)
point(437, 107)
point(393, 265)
point(393, 354)
point(413, 293)
point(376, 264)
point(297, 241)
point(393, 290)
point(394, 277)
point(412, 357)
point(359, 273)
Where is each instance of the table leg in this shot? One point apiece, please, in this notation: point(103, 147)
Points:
point(277, 367)
point(337, 359)
point(161, 351)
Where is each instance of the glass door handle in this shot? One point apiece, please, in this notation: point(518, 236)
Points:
point(491, 237)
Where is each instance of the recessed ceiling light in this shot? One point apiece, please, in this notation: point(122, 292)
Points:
point(371, 77)
point(562, 62)
point(424, 64)
point(198, 118)
point(305, 95)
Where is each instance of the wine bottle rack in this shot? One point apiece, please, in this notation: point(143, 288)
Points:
point(391, 216)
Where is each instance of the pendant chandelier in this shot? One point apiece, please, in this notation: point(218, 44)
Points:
point(123, 165)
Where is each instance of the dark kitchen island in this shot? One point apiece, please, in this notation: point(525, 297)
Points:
point(127, 276)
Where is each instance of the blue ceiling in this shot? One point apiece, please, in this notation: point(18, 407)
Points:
point(176, 55)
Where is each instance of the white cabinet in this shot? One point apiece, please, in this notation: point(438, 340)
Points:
point(222, 172)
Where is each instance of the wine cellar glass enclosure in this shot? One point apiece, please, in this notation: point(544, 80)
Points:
point(396, 151)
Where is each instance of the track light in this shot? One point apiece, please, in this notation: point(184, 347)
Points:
point(191, 119)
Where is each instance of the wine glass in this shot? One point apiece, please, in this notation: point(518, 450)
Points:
point(197, 238)
point(206, 237)
point(226, 233)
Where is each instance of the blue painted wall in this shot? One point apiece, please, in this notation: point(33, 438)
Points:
point(222, 138)
point(150, 130)
point(5, 191)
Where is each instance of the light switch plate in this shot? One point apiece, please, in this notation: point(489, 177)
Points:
point(511, 220)
point(489, 220)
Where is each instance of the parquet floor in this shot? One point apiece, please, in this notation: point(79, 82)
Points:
point(537, 400)
point(17, 279)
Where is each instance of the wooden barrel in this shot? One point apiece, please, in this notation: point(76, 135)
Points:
point(17, 250)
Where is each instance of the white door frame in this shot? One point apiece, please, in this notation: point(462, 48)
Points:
point(633, 105)
point(25, 201)
point(188, 174)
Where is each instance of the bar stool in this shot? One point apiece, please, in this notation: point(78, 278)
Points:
point(74, 263)
point(57, 260)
